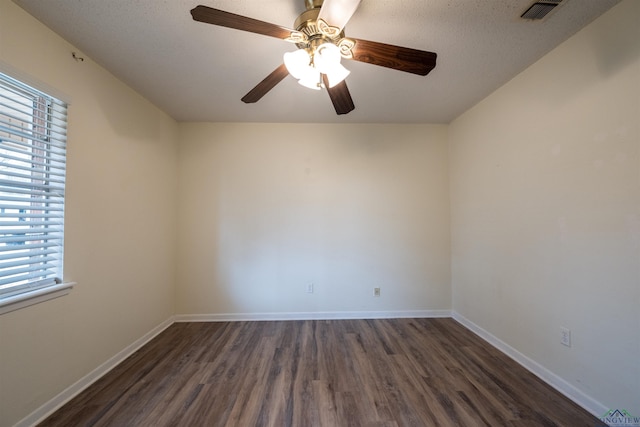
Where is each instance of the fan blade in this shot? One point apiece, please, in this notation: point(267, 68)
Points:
point(231, 20)
point(338, 12)
point(266, 85)
point(340, 96)
point(396, 57)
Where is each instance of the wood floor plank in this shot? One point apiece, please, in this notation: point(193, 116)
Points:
point(386, 373)
point(369, 384)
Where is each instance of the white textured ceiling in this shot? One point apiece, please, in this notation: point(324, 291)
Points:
point(199, 72)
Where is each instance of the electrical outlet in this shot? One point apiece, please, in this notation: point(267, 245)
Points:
point(565, 336)
point(310, 288)
point(376, 292)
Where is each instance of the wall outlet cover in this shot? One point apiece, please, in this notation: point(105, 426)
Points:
point(565, 336)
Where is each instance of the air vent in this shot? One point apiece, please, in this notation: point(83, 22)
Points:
point(540, 9)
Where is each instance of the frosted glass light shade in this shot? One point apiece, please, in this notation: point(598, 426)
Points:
point(337, 74)
point(327, 61)
point(311, 79)
point(297, 63)
point(326, 57)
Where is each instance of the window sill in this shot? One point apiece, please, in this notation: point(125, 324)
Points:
point(30, 298)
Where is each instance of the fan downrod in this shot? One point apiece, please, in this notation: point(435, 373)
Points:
point(313, 4)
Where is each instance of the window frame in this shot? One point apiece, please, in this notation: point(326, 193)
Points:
point(29, 118)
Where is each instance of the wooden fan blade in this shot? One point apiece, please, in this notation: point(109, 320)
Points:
point(340, 96)
point(231, 20)
point(396, 57)
point(266, 85)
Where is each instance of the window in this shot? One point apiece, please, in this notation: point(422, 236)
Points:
point(32, 181)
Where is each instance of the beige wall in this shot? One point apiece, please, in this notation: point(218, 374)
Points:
point(545, 190)
point(120, 224)
point(268, 208)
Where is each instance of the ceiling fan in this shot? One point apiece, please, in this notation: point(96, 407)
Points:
point(319, 36)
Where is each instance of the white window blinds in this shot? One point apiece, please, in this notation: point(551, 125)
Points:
point(32, 178)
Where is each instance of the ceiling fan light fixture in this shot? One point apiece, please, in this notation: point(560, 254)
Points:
point(326, 57)
point(297, 62)
point(338, 74)
point(310, 78)
point(326, 60)
point(307, 68)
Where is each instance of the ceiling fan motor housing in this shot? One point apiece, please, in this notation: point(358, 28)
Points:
point(307, 23)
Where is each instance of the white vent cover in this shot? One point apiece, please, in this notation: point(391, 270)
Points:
point(540, 9)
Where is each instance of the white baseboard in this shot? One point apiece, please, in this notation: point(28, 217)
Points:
point(328, 315)
point(70, 392)
point(579, 397)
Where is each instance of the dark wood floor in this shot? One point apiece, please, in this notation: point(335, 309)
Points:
point(402, 372)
